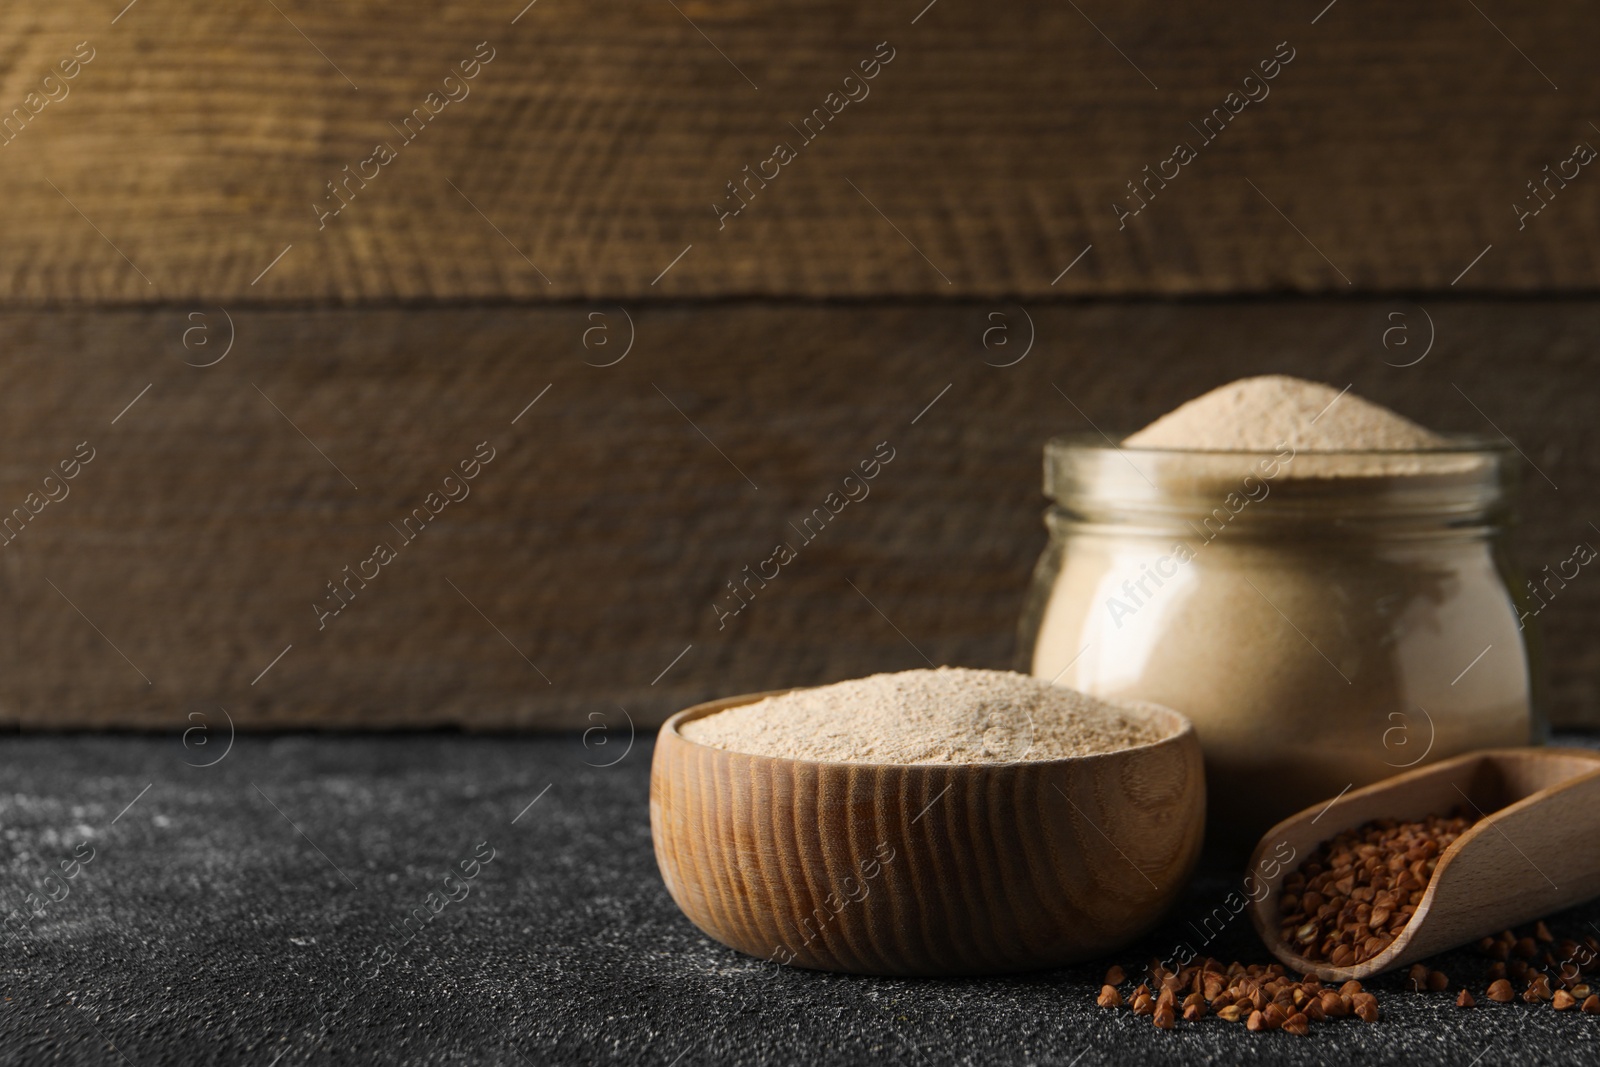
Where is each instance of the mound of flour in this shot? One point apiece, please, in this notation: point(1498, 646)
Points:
point(948, 715)
point(1263, 414)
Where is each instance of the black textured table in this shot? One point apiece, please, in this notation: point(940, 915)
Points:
point(255, 912)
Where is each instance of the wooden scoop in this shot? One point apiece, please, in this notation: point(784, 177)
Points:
point(1532, 852)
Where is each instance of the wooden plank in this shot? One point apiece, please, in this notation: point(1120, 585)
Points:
point(198, 145)
point(582, 569)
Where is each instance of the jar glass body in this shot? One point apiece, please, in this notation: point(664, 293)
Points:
point(1322, 629)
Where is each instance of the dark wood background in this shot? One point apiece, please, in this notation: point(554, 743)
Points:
point(602, 132)
point(146, 213)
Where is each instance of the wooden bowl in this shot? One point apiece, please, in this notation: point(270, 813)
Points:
point(926, 869)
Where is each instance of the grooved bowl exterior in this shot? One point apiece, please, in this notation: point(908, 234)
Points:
point(925, 869)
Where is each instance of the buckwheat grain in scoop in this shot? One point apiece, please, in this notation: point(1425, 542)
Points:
point(1351, 897)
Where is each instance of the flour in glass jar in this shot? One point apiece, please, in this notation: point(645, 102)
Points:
point(1306, 575)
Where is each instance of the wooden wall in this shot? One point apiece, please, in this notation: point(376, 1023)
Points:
point(598, 539)
point(560, 213)
point(597, 139)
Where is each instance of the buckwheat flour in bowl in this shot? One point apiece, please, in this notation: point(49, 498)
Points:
point(1319, 583)
point(946, 715)
point(931, 822)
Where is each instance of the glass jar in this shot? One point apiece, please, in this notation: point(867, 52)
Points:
point(1325, 619)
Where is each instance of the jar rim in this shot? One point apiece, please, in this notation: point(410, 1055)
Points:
point(1471, 480)
point(1459, 444)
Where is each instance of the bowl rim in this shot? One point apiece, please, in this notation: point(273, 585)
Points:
point(1185, 730)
